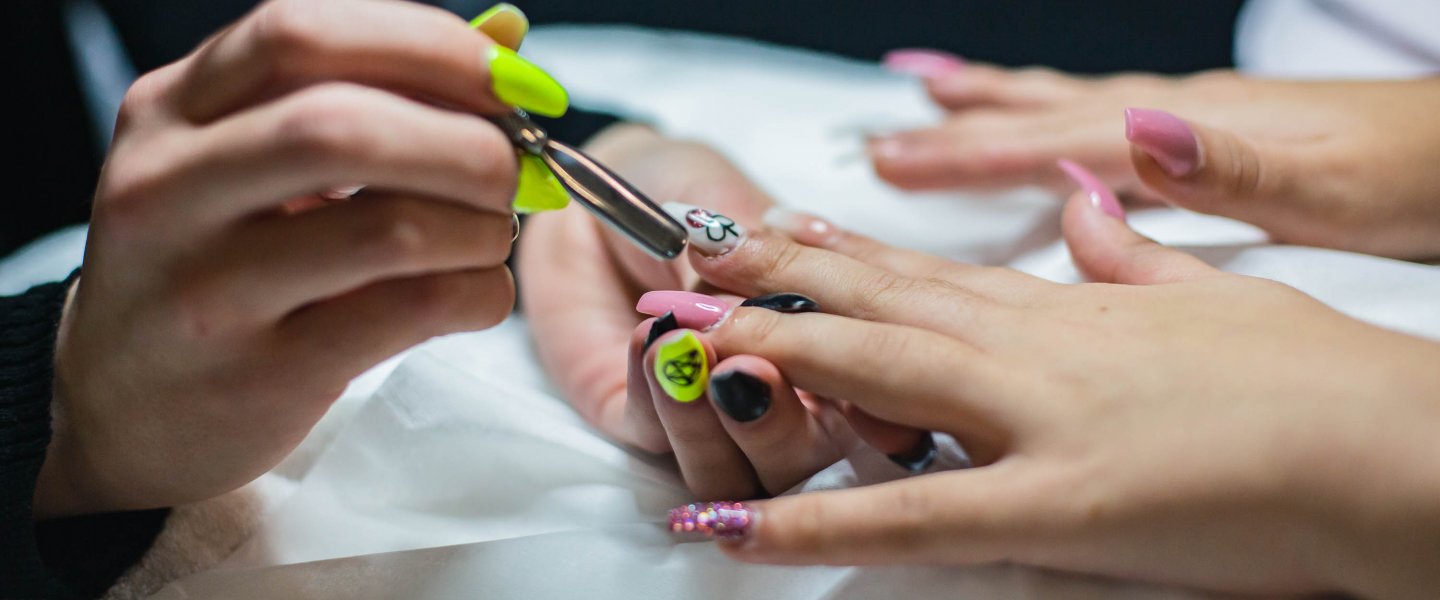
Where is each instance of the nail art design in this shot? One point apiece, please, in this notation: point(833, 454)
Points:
point(519, 82)
point(741, 395)
point(807, 229)
point(1100, 195)
point(681, 367)
point(693, 311)
point(661, 326)
point(505, 23)
point(923, 62)
point(920, 457)
point(724, 520)
point(1165, 138)
point(711, 233)
point(537, 189)
point(784, 302)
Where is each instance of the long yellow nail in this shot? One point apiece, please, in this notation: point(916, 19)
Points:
point(519, 82)
point(504, 23)
point(538, 189)
point(681, 369)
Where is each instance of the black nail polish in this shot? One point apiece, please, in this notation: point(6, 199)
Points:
point(785, 302)
point(663, 325)
point(920, 457)
point(743, 396)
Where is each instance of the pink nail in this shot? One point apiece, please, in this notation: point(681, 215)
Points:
point(923, 62)
point(1100, 195)
point(1165, 138)
point(725, 520)
point(692, 311)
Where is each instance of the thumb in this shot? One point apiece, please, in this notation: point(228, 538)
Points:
point(1107, 250)
point(959, 517)
point(1208, 170)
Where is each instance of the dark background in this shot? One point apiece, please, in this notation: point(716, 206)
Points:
point(54, 160)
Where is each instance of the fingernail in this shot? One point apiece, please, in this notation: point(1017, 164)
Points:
point(681, 367)
point(1100, 195)
point(661, 326)
point(538, 190)
point(785, 302)
point(886, 148)
point(920, 457)
point(711, 233)
point(505, 23)
point(1165, 138)
point(741, 395)
point(923, 62)
point(724, 520)
point(692, 310)
point(519, 82)
point(807, 229)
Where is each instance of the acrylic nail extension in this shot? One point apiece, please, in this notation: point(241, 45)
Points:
point(1165, 138)
point(723, 520)
point(742, 396)
point(784, 302)
point(711, 233)
point(1100, 195)
point(920, 457)
point(661, 326)
point(681, 367)
point(693, 311)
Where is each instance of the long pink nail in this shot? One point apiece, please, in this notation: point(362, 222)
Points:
point(725, 520)
point(1165, 138)
point(923, 62)
point(1100, 195)
point(692, 311)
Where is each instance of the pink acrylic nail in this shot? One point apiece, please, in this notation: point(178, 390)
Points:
point(1100, 195)
point(1165, 138)
point(923, 62)
point(724, 520)
point(692, 311)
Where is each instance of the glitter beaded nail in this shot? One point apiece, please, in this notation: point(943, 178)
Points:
point(725, 520)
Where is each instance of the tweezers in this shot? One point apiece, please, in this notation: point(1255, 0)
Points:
point(599, 189)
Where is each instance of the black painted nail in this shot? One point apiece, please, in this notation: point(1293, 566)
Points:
point(785, 302)
point(920, 457)
point(743, 396)
point(663, 325)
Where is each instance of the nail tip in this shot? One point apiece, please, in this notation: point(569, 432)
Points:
point(740, 395)
point(715, 520)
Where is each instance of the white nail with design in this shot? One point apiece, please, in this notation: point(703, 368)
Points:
point(711, 233)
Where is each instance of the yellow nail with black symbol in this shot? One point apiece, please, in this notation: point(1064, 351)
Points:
point(538, 189)
point(681, 367)
point(518, 82)
point(505, 23)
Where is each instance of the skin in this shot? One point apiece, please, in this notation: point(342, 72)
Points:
point(1169, 422)
point(1280, 155)
point(225, 304)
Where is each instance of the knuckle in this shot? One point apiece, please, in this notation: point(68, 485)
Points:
point(287, 27)
point(326, 123)
point(140, 99)
point(396, 233)
point(203, 313)
point(877, 292)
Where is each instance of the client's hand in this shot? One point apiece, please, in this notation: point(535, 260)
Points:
point(1170, 423)
point(224, 303)
point(1340, 165)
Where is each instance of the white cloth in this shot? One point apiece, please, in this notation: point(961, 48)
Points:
point(1339, 39)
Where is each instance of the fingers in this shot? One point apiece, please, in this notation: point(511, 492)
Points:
point(975, 516)
point(677, 367)
point(1106, 250)
point(411, 49)
point(762, 413)
point(979, 85)
point(1208, 170)
point(947, 385)
point(330, 250)
point(353, 332)
point(336, 134)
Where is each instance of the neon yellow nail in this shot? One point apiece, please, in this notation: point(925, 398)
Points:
point(519, 82)
point(538, 190)
point(504, 23)
point(681, 369)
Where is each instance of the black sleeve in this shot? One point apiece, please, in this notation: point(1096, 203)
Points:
point(68, 558)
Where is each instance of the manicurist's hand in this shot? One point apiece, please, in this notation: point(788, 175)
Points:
point(224, 302)
point(1168, 422)
point(1345, 165)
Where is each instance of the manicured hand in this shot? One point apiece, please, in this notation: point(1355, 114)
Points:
point(225, 302)
point(1168, 422)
